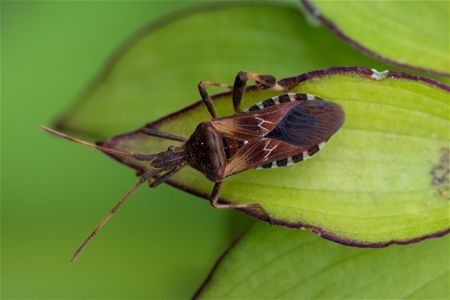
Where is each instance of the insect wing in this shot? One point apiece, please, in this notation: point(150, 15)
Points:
point(250, 125)
point(309, 123)
point(258, 152)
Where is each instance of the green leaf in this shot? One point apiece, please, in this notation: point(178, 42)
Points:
point(275, 263)
point(381, 179)
point(371, 185)
point(157, 71)
point(410, 34)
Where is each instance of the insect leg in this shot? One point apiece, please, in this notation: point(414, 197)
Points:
point(164, 135)
point(263, 81)
point(206, 99)
point(214, 200)
point(166, 176)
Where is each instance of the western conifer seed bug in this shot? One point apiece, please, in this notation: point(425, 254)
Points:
point(277, 132)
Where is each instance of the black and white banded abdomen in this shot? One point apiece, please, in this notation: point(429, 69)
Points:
point(281, 99)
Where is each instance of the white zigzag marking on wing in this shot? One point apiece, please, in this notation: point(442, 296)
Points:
point(269, 150)
point(261, 122)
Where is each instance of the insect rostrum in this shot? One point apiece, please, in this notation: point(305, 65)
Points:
point(277, 132)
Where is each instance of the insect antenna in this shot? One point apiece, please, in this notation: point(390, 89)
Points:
point(143, 179)
point(138, 156)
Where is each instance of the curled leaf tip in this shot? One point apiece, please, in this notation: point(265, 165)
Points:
point(378, 75)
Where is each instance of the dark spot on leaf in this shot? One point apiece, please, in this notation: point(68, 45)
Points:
point(440, 174)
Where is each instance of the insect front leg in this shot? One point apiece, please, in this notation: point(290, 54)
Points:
point(263, 81)
point(166, 176)
point(214, 200)
point(204, 94)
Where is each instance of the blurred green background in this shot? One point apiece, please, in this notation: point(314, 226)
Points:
point(160, 245)
point(53, 193)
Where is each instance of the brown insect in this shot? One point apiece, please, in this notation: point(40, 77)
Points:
point(277, 132)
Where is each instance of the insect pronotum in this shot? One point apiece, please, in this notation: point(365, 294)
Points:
point(277, 132)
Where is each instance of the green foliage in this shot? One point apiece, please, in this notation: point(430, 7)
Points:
point(162, 244)
point(371, 184)
point(413, 34)
point(157, 72)
point(284, 264)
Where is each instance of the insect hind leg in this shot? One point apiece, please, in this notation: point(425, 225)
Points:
point(214, 200)
point(263, 81)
